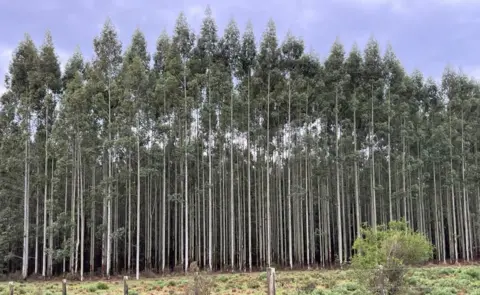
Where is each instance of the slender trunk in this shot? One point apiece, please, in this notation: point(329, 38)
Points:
point(372, 150)
point(269, 221)
point(129, 217)
point(186, 166)
point(465, 202)
point(92, 213)
point(137, 262)
point(232, 212)
point(355, 166)
point(404, 171)
point(454, 221)
point(50, 230)
point(337, 169)
point(109, 187)
point(289, 180)
point(82, 220)
point(164, 197)
point(45, 192)
point(249, 184)
point(210, 184)
point(390, 207)
point(437, 223)
point(37, 226)
point(26, 202)
point(72, 209)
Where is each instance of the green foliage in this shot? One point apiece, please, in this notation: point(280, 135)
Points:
point(102, 286)
point(382, 254)
point(390, 246)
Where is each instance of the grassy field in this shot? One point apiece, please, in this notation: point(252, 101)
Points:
point(431, 280)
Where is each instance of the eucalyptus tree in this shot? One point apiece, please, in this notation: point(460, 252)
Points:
point(27, 90)
point(373, 87)
point(11, 182)
point(229, 47)
point(205, 52)
point(163, 124)
point(49, 68)
point(76, 119)
point(134, 76)
point(292, 50)
point(267, 77)
point(247, 58)
point(182, 45)
point(334, 79)
point(354, 70)
point(107, 62)
point(394, 76)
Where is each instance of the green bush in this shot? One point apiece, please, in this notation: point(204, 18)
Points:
point(383, 254)
point(102, 286)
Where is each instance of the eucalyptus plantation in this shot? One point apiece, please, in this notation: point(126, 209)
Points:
point(228, 152)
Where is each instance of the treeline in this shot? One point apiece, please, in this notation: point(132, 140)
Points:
point(214, 150)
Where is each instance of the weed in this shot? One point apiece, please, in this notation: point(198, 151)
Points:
point(102, 286)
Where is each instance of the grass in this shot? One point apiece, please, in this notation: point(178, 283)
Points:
point(431, 280)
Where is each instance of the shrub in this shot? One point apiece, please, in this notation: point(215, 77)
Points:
point(201, 285)
point(102, 286)
point(383, 254)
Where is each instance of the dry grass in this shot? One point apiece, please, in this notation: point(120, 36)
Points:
point(438, 280)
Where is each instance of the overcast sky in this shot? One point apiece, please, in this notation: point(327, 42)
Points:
point(425, 34)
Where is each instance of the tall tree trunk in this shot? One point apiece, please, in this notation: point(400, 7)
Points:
point(186, 166)
point(210, 184)
point(465, 202)
point(454, 221)
point(355, 166)
point(50, 222)
point(269, 221)
point(37, 225)
point(337, 169)
point(137, 262)
point(93, 216)
point(72, 209)
point(372, 155)
point(249, 184)
point(289, 180)
point(82, 218)
point(389, 148)
point(26, 201)
point(45, 192)
point(109, 187)
point(232, 212)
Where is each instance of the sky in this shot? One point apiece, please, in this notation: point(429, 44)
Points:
point(425, 34)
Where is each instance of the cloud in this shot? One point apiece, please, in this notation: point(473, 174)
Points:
point(63, 57)
point(5, 56)
point(472, 71)
point(307, 17)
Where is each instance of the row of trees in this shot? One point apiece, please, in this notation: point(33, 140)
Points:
point(230, 155)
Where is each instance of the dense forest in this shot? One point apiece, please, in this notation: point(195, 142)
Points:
point(228, 152)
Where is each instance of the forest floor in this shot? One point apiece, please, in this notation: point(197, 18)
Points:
point(429, 280)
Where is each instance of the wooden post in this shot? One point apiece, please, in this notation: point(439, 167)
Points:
point(11, 287)
point(64, 287)
point(125, 285)
point(196, 291)
point(271, 281)
point(382, 280)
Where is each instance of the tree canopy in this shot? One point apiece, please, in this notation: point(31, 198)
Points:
point(226, 151)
